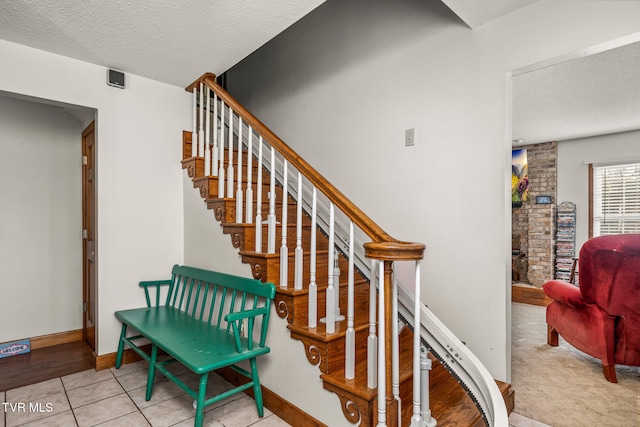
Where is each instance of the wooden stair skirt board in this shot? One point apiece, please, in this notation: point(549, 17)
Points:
point(450, 404)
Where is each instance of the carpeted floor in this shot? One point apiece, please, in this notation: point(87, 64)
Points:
point(562, 386)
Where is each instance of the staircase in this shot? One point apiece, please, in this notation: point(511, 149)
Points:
point(323, 268)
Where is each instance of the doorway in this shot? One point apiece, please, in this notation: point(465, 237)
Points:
point(88, 235)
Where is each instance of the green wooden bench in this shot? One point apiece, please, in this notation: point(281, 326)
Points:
point(207, 322)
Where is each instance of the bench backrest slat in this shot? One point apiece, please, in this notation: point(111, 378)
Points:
point(209, 296)
point(223, 299)
point(213, 303)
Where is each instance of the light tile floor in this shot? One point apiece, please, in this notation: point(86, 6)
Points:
point(112, 398)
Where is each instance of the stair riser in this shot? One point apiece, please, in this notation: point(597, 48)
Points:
point(295, 307)
point(186, 151)
point(267, 268)
point(208, 187)
point(329, 356)
point(225, 211)
point(243, 237)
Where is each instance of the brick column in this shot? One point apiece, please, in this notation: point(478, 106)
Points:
point(541, 240)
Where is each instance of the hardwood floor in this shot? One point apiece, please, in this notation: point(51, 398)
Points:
point(44, 364)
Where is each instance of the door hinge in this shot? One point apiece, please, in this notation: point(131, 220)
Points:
point(84, 307)
point(85, 160)
point(84, 233)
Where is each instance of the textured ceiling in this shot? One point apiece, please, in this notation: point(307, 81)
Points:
point(175, 42)
point(166, 40)
point(592, 95)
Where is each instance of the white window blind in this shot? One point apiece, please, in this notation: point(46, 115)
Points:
point(616, 199)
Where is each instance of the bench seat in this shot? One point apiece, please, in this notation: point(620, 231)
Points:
point(207, 322)
point(189, 341)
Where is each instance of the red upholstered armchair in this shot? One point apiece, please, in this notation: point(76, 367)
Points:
point(602, 316)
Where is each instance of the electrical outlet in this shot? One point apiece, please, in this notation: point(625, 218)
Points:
point(409, 137)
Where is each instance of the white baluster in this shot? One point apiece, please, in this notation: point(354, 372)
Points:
point(350, 357)
point(330, 319)
point(313, 287)
point(259, 199)
point(201, 124)
point(284, 250)
point(214, 153)
point(194, 129)
point(239, 195)
point(425, 367)
point(207, 137)
point(271, 217)
point(395, 345)
point(299, 254)
point(372, 339)
point(249, 191)
point(230, 168)
point(382, 380)
point(417, 419)
point(221, 168)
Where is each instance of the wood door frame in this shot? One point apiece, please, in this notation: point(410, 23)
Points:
point(91, 339)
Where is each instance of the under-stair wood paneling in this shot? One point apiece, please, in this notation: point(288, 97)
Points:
point(450, 403)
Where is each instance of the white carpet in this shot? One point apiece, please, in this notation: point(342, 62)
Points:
point(562, 386)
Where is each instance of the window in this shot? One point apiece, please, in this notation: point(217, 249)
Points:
point(615, 200)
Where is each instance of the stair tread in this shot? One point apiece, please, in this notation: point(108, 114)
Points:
point(320, 332)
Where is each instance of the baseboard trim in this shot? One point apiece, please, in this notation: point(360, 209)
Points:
point(58, 338)
point(106, 361)
point(529, 295)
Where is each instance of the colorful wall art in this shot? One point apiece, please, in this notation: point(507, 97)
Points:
point(519, 176)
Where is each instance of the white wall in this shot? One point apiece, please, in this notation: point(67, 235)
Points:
point(573, 170)
point(139, 188)
point(40, 220)
point(343, 84)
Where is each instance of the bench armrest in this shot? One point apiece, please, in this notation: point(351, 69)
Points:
point(237, 317)
point(156, 284)
point(232, 317)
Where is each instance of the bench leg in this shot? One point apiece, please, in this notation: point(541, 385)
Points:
point(202, 392)
point(257, 390)
point(152, 371)
point(123, 334)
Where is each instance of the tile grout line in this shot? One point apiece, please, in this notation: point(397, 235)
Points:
point(130, 398)
point(69, 401)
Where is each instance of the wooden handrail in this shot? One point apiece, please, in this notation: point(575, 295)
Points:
point(385, 246)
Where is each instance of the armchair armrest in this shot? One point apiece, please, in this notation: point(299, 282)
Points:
point(157, 284)
point(563, 292)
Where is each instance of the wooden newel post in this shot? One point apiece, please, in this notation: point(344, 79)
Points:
point(392, 404)
point(387, 253)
